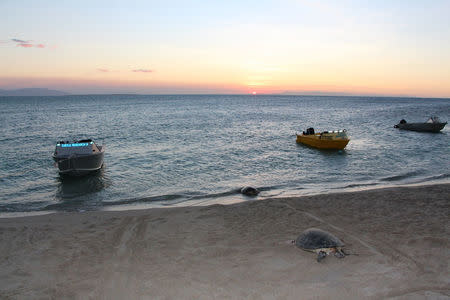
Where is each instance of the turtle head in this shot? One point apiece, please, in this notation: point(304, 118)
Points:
point(339, 253)
point(321, 255)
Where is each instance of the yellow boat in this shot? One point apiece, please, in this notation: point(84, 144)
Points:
point(324, 140)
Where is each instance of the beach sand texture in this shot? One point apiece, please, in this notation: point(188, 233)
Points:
point(400, 238)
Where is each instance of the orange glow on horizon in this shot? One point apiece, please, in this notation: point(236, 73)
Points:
point(135, 84)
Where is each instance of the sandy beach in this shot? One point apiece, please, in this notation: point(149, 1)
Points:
point(399, 239)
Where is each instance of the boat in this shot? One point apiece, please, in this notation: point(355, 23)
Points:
point(432, 125)
point(78, 158)
point(335, 140)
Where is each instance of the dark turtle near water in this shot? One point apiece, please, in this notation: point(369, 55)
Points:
point(321, 242)
point(249, 191)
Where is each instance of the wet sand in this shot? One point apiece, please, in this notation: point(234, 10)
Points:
point(399, 237)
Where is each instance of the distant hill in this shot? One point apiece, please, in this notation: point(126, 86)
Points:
point(32, 92)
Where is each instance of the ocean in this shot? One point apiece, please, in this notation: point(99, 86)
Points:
point(179, 150)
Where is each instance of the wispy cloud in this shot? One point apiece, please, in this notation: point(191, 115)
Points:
point(142, 71)
point(103, 70)
point(23, 45)
point(26, 44)
point(20, 41)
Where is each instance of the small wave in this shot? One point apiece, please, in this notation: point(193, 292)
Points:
point(168, 197)
point(356, 185)
point(441, 176)
point(8, 139)
point(217, 195)
point(401, 176)
point(23, 206)
point(272, 187)
point(433, 178)
point(188, 196)
point(298, 188)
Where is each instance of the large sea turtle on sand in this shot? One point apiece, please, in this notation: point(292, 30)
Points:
point(320, 242)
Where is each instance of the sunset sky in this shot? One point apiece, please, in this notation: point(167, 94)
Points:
point(233, 47)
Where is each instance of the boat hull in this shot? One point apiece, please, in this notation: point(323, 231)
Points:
point(317, 141)
point(422, 127)
point(79, 165)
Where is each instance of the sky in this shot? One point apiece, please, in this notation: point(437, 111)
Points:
point(380, 47)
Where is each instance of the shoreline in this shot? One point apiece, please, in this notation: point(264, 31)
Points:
point(229, 200)
point(401, 236)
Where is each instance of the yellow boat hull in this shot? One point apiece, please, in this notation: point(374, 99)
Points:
point(323, 141)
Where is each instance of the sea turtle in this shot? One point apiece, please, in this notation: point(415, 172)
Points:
point(249, 191)
point(320, 242)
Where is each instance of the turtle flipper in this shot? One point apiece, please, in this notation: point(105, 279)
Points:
point(339, 253)
point(321, 255)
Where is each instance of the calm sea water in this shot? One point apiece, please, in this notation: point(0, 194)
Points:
point(184, 150)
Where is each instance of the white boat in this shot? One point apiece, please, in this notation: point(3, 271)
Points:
point(78, 158)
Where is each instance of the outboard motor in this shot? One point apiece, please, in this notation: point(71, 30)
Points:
point(402, 121)
point(310, 131)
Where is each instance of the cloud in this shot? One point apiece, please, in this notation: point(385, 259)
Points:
point(142, 71)
point(27, 44)
point(103, 70)
point(20, 41)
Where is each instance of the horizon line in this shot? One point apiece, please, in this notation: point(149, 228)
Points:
point(231, 94)
point(55, 91)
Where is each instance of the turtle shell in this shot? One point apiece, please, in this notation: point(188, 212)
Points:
point(314, 238)
point(249, 191)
